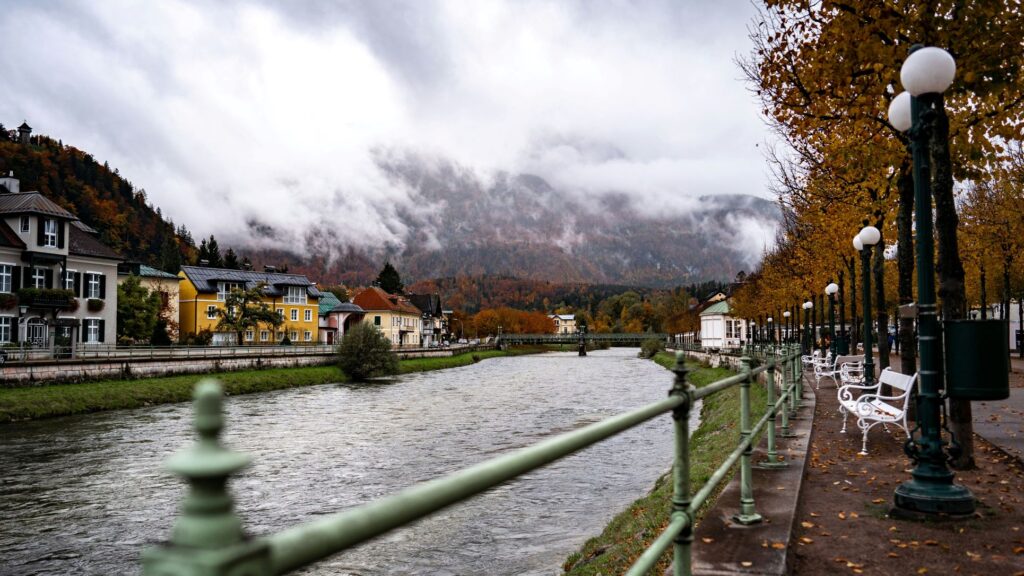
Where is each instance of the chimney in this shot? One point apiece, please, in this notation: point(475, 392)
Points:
point(10, 184)
point(204, 262)
point(247, 266)
point(270, 269)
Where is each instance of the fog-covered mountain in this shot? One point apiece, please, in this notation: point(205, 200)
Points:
point(460, 223)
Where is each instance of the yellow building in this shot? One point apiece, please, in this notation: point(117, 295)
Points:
point(393, 315)
point(204, 290)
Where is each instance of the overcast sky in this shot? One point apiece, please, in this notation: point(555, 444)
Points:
point(237, 110)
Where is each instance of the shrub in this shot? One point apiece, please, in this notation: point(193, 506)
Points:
point(94, 304)
point(286, 341)
point(650, 347)
point(366, 353)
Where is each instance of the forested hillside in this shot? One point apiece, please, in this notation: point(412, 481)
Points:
point(100, 197)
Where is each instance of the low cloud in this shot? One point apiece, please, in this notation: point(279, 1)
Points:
point(245, 113)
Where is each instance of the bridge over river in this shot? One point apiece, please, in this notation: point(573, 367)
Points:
point(86, 494)
point(618, 339)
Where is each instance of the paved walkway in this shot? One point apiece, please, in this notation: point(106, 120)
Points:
point(1002, 422)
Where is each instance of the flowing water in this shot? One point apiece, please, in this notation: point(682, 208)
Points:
point(85, 494)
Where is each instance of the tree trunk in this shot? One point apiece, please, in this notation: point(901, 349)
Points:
point(905, 268)
point(950, 271)
point(851, 267)
point(1005, 304)
point(984, 294)
point(881, 308)
point(1020, 322)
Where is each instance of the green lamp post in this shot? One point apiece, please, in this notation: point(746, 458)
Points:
point(831, 290)
point(808, 339)
point(788, 336)
point(868, 237)
point(926, 73)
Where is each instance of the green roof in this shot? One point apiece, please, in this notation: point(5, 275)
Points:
point(717, 308)
point(327, 302)
point(150, 272)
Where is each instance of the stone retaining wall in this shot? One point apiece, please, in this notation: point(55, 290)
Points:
point(36, 373)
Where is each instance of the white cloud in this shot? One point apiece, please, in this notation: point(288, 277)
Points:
point(229, 113)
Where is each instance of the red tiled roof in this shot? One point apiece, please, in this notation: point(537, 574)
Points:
point(373, 298)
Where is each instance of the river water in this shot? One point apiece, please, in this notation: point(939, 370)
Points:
point(85, 494)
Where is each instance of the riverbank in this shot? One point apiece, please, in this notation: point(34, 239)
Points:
point(17, 404)
point(634, 529)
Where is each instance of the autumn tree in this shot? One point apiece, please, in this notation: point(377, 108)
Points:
point(246, 310)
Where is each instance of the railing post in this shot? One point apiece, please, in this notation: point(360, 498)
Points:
point(207, 538)
point(773, 460)
point(787, 388)
point(681, 563)
point(748, 514)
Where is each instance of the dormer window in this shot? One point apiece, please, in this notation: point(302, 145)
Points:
point(225, 288)
point(24, 223)
point(50, 233)
point(295, 295)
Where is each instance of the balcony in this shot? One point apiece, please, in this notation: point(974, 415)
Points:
point(49, 298)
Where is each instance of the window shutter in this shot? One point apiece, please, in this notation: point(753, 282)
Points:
point(60, 233)
point(82, 329)
point(39, 230)
point(48, 277)
point(103, 286)
point(103, 328)
point(26, 276)
point(15, 278)
point(14, 329)
point(78, 284)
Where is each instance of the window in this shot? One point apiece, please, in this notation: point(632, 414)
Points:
point(280, 335)
point(295, 295)
point(264, 335)
point(293, 336)
point(376, 320)
point(225, 288)
point(92, 330)
point(68, 280)
point(50, 233)
point(6, 276)
point(309, 315)
point(92, 285)
point(38, 278)
point(211, 312)
point(295, 314)
point(280, 313)
point(307, 335)
point(24, 224)
point(6, 325)
point(248, 335)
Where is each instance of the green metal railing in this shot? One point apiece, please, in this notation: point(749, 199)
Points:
point(207, 538)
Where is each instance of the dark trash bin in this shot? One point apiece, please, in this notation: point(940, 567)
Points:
point(977, 359)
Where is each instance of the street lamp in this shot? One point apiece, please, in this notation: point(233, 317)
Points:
point(926, 73)
point(831, 290)
point(789, 326)
point(771, 331)
point(868, 237)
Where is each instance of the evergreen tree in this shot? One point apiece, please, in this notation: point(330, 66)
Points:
point(204, 252)
point(389, 280)
point(137, 311)
point(170, 256)
point(216, 261)
point(231, 260)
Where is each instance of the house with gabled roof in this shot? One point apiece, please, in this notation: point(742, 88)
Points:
point(719, 329)
point(432, 318)
point(564, 323)
point(57, 281)
point(204, 291)
point(392, 314)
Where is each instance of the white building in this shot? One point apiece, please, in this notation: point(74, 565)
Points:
point(564, 323)
point(720, 330)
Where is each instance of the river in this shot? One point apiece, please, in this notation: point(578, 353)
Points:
point(85, 494)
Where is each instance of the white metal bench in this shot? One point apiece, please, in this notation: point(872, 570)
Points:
point(872, 408)
point(830, 368)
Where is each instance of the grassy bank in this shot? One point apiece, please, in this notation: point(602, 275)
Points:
point(65, 399)
point(634, 529)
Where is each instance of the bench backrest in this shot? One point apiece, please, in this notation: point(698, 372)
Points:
point(848, 359)
point(896, 380)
